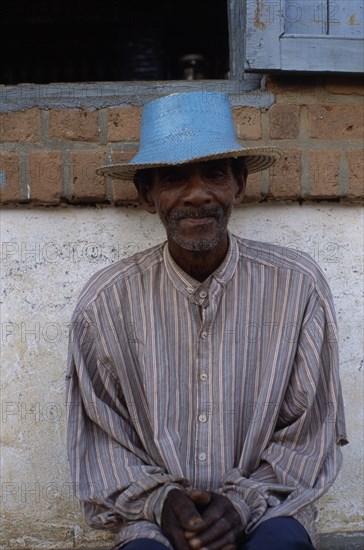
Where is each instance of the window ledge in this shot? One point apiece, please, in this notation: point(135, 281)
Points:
point(99, 95)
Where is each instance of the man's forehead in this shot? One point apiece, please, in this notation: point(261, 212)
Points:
point(215, 163)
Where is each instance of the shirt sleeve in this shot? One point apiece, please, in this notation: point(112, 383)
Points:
point(113, 476)
point(302, 458)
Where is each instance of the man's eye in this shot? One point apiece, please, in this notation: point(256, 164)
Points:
point(171, 179)
point(170, 176)
point(215, 174)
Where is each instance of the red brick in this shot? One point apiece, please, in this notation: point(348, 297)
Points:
point(10, 178)
point(20, 126)
point(292, 89)
point(355, 161)
point(247, 123)
point(253, 190)
point(291, 83)
point(324, 173)
point(124, 124)
point(73, 124)
point(123, 191)
point(87, 185)
point(344, 85)
point(285, 176)
point(284, 121)
point(336, 121)
point(45, 177)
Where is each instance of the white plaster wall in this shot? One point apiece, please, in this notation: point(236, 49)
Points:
point(46, 257)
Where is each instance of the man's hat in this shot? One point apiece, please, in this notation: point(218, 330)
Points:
point(189, 127)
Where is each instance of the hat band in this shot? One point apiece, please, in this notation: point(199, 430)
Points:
point(189, 143)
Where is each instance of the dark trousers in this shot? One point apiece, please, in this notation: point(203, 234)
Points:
point(273, 534)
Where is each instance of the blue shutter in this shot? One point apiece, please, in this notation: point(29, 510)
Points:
point(304, 35)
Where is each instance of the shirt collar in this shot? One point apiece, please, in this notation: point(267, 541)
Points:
point(197, 290)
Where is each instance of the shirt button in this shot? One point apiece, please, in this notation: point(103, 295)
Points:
point(190, 290)
point(203, 294)
point(203, 376)
point(202, 418)
point(202, 456)
point(203, 334)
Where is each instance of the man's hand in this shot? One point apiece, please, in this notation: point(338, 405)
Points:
point(200, 520)
point(180, 515)
point(222, 522)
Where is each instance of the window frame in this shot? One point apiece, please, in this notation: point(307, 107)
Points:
point(268, 48)
point(244, 89)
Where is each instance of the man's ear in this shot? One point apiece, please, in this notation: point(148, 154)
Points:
point(145, 197)
point(241, 186)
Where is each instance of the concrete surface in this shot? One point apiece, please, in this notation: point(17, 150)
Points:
point(46, 257)
point(328, 541)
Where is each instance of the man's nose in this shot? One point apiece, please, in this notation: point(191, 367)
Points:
point(195, 191)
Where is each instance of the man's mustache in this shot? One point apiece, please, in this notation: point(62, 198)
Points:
point(203, 212)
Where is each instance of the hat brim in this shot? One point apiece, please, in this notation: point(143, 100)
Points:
point(256, 160)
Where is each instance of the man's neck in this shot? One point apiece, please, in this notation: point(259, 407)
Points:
point(199, 264)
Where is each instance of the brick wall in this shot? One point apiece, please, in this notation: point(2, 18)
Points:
point(49, 156)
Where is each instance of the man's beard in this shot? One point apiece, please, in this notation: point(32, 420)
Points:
point(195, 243)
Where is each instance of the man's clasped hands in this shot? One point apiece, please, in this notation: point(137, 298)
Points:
point(200, 521)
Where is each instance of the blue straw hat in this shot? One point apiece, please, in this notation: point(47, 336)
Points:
point(189, 127)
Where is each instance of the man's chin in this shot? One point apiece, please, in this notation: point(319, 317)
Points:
point(197, 244)
point(201, 236)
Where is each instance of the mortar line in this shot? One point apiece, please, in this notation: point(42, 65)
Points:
point(343, 174)
point(25, 192)
point(67, 186)
point(44, 124)
point(102, 125)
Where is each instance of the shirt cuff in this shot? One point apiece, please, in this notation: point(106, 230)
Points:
point(155, 502)
point(241, 507)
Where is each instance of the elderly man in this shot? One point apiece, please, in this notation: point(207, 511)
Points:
point(205, 408)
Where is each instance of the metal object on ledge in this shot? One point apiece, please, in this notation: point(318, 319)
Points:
point(193, 66)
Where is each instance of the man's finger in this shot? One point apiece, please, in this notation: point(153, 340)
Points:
point(201, 498)
point(171, 522)
point(185, 511)
point(176, 536)
point(220, 531)
point(215, 541)
point(219, 508)
point(223, 525)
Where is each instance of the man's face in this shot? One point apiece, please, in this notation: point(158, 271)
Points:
point(194, 202)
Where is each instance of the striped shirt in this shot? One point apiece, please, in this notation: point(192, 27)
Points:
point(230, 385)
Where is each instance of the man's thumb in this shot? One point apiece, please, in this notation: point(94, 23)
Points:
point(199, 497)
